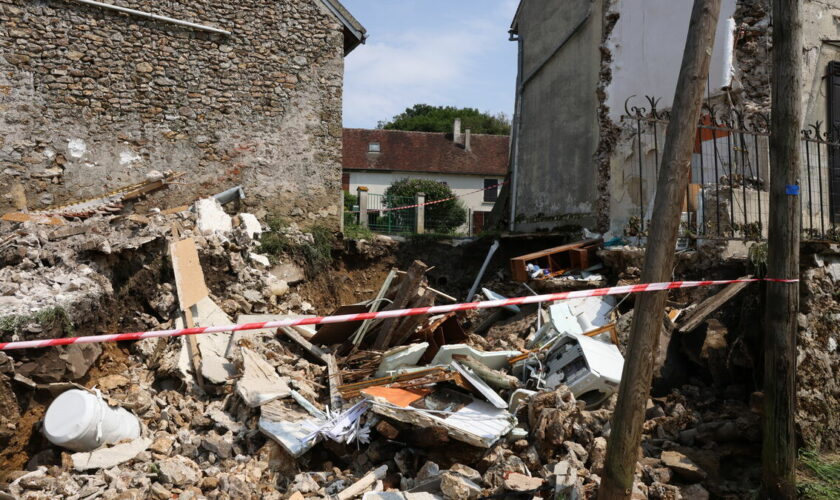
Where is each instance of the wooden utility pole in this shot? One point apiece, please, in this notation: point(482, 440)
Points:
point(625, 438)
point(778, 452)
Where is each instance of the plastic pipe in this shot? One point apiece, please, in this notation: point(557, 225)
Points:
point(156, 17)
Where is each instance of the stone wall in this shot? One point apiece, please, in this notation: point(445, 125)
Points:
point(92, 99)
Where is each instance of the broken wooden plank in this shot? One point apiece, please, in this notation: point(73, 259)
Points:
point(175, 210)
point(606, 328)
point(363, 484)
point(409, 324)
point(192, 348)
point(408, 290)
point(334, 379)
point(367, 324)
point(493, 378)
point(189, 283)
point(352, 390)
point(189, 277)
point(260, 383)
point(314, 350)
point(710, 305)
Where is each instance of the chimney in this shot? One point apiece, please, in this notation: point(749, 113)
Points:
point(467, 140)
point(456, 131)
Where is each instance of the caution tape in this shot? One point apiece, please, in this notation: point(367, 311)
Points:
point(429, 202)
point(397, 313)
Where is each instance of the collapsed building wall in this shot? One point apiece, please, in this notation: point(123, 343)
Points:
point(741, 116)
point(92, 99)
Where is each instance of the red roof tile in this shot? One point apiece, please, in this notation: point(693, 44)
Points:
point(424, 152)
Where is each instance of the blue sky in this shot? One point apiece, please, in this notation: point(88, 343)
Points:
point(438, 52)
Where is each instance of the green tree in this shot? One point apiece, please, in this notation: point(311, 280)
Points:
point(442, 217)
point(426, 118)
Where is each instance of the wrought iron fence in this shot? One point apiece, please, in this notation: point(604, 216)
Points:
point(401, 221)
point(728, 195)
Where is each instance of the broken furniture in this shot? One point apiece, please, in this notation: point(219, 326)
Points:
point(558, 260)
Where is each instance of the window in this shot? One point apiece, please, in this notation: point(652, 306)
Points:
point(373, 147)
point(490, 195)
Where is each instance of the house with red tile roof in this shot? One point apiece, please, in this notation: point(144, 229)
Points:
point(466, 162)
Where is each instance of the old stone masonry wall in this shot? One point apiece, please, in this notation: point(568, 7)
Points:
point(92, 99)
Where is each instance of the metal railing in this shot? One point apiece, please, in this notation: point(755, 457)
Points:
point(728, 195)
point(401, 221)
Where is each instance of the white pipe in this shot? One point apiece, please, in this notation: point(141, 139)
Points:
point(153, 16)
point(483, 268)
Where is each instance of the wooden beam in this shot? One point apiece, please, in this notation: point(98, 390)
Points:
point(710, 305)
point(625, 439)
point(312, 349)
point(192, 348)
point(334, 379)
point(407, 291)
point(778, 449)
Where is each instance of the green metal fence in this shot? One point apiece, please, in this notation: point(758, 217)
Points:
point(391, 221)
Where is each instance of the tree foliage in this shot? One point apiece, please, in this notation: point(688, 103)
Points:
point(442, 217)
point(426, 118)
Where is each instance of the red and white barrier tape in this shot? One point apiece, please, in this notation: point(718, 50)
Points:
point(429, 202)
point(598, 292)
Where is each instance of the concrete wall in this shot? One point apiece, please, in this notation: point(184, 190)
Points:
point(378, 182)
point(556, 175)
point(92, 100)
point(647, 45)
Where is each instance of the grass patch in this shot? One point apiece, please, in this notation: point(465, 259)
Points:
point(275, 243)
point(819, 476)
point(358, 232)
point(49, 318)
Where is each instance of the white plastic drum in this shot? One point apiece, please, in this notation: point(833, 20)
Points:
point(81, 421)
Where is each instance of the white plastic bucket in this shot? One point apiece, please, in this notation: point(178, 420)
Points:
point(81, 421)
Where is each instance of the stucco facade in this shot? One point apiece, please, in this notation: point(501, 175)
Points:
point(575, 161)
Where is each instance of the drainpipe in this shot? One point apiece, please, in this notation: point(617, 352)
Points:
point(517, 120)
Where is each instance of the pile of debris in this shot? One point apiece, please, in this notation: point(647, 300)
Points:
point(508, 401)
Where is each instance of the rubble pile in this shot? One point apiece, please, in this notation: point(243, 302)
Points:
point(511, 401)
point(818, 350)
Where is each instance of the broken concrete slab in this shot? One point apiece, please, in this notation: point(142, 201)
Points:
point(211, 217)
point(105, 458)
point(259, 259)
point(214, 366)
point(457, 486)
point(251, 225)
point(260, 382)
point(289, 272)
